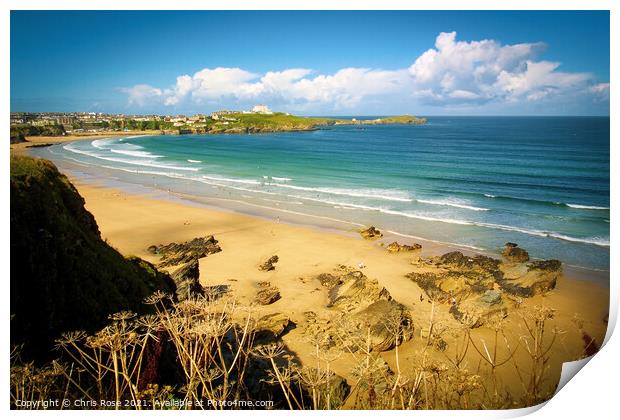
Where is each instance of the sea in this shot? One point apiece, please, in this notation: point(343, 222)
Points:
point(471, 182)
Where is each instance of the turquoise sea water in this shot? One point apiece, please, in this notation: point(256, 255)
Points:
point(542, 182)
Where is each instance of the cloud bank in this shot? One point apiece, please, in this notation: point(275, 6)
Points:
point(452, 74)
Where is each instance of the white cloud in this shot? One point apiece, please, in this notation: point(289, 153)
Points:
point(600, 91)
point(600, 88)
point(538, 80)
point(452, 73)
point(347, 87)
point(482, 71)
point(141, 94)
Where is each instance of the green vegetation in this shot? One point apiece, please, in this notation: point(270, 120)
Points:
point(23, 130)
point(63, 275)
point(118, 124)
point(256, 123)
point(133, 125)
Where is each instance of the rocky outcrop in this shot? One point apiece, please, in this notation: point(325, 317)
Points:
point(329, 280)
point(386, 322)
point(267, 294)
point(355, 291)
point(363, 311)
point(395, 247)
point(269, 264)
point(513, 253)
point(187, 281)
point(470, 284)
point(371, 233)
point(271, 327)
point(479, 310)
point(458, 278)
point(527, 280)
point(456, 260)
point(175, 254)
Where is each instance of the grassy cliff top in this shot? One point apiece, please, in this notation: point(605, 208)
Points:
point(278, 121)
point(64, 276)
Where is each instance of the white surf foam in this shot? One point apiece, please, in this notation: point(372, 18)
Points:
point(389, 195)
point(101, 143)
point(236, 180)
point(151, 164)
point(532, 232)
point(451, 204)
point(594, 241)
point(135, 153)
point(583, 206)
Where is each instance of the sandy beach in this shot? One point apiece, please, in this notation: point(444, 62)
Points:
point(131, 223)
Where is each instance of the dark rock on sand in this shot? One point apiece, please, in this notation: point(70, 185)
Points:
point(371, 233)
point(269, 264)
point(513, 253)
point(447, 286)
point(267, 296)
point(396, 247)
point(482, 263)
point(478, 310)
point(322, 330)
point(527, 280)
point(186, 279)
point(356, 291)
point(361, 307)
point(458, 277)
point(271, 327)
point(545, 265)
point(431, 283)
point(387, 322)
point(175, 254)
point(329, 280)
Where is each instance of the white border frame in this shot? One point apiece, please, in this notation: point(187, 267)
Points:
point(592, 394)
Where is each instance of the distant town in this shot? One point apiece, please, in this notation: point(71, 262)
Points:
point(93, 122)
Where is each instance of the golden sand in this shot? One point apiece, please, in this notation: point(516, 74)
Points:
point(131, 223)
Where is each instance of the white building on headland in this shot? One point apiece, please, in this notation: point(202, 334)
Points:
point(261, 109)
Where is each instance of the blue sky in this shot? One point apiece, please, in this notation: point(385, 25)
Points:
point(314, 63)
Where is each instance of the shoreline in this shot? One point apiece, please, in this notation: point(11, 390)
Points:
point(323, 224)
point(96, 190)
